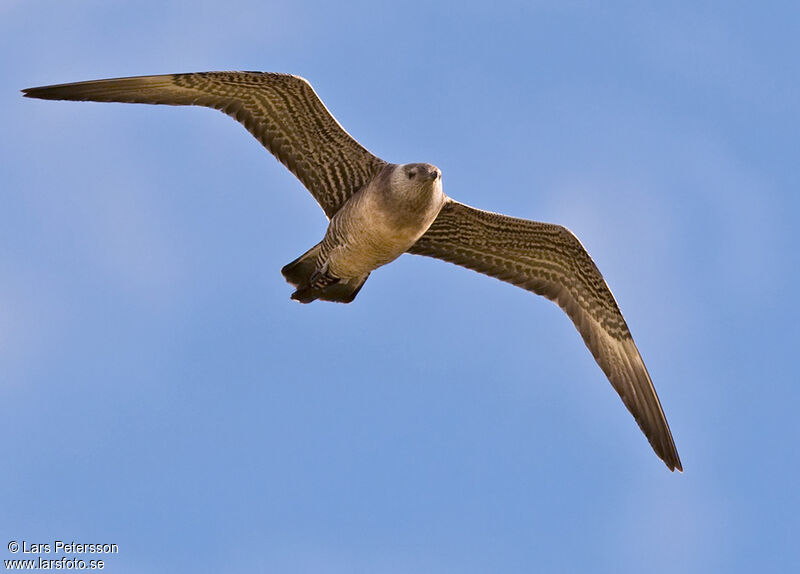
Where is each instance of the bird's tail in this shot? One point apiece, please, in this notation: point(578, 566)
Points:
point(300, 271)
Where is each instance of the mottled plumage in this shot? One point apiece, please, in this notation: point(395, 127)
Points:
point(280, 110)
point(380, 210)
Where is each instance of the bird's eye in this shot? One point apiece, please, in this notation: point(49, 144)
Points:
point(411, 174)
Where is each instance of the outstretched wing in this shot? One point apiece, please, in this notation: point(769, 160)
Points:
point(550, 261)
point(282, 111)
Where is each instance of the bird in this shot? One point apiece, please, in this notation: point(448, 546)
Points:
point(379, 210)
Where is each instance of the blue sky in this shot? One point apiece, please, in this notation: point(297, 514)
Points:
point(160, 391)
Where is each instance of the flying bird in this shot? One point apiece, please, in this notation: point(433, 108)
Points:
point(380, 210)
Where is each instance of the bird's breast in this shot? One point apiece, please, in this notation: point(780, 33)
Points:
point(369, 231)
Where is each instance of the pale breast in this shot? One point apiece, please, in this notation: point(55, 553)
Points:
point(373, 229)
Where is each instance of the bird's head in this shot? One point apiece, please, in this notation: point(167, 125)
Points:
point(416, 182)
point(418, 173)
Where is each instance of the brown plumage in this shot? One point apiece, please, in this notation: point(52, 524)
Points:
point(379, 211)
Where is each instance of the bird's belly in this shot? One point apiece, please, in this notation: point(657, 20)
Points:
point(369, 249)
point(368, 233)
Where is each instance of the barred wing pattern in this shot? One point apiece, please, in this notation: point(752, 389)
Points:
point(282, 111)
point(550, 261)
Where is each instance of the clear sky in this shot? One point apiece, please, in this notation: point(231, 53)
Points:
point(159, 390)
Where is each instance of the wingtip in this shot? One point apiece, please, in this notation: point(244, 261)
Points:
point(38, 93)
point(673, 464)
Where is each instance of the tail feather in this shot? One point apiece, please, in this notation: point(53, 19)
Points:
point(300, 271)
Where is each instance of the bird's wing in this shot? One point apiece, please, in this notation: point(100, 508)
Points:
point(550, 261)
point(282, 111)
